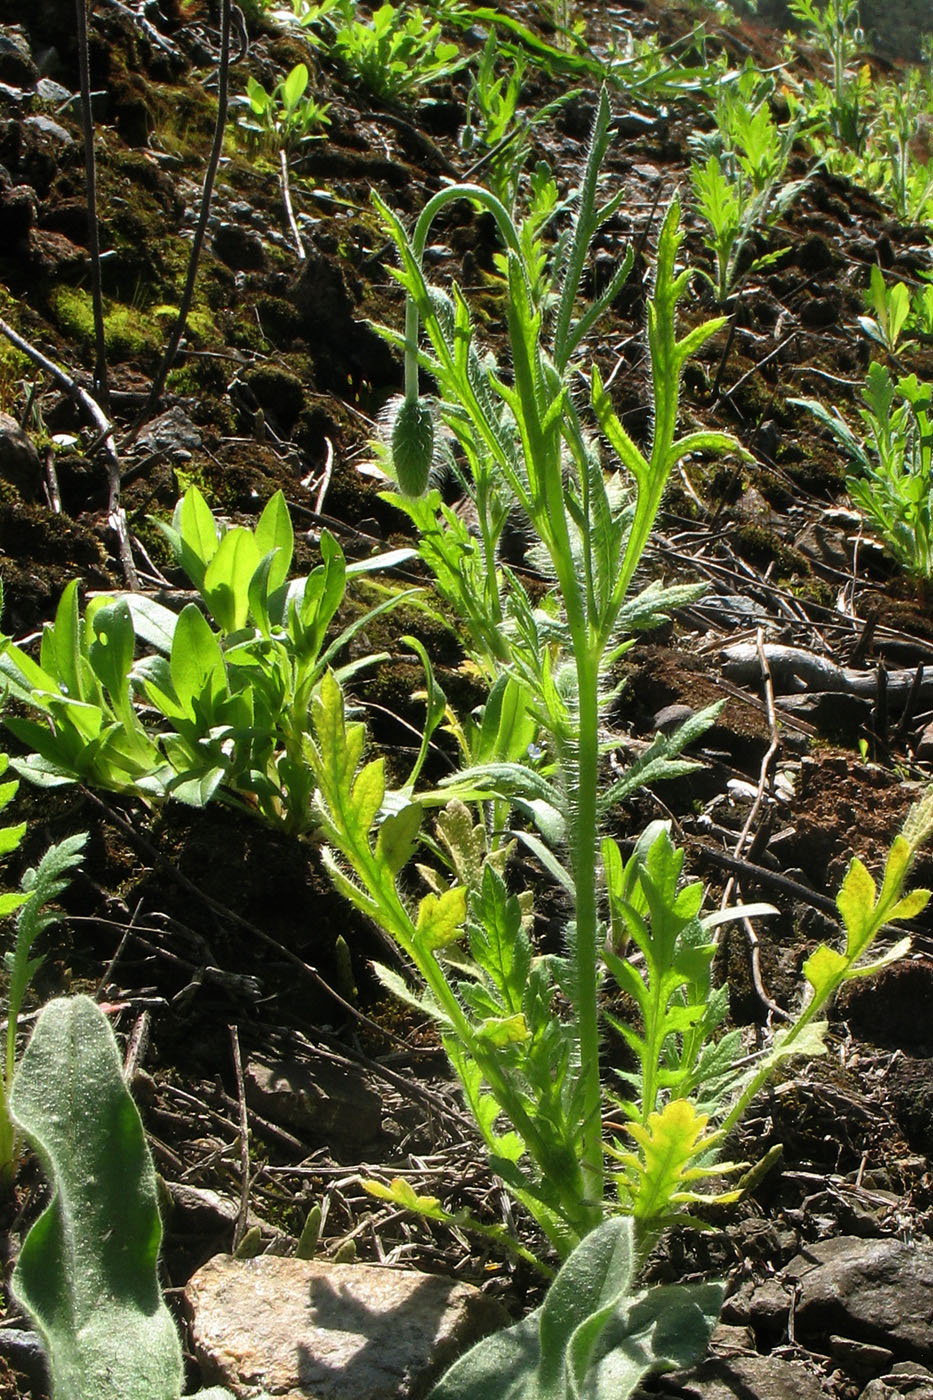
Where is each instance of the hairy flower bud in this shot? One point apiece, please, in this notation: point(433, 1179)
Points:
point(443, 308)
point(411, 445)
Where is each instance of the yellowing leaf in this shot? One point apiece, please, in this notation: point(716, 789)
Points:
point(856, 902)
point(910, 906)
point(824, 969)
point(368, 792)
point(402, 1193)
point(504, 1030)
point(670, 1143)
point(441, 918)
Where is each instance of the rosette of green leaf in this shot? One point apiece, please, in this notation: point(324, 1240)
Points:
point(81, 684)
point(745, 132)
point(865, 912)
point(283, 118)
point(39, 887)
point(238, 698)
point(891, 311)
point(729, 203)
point(892, 484)
point(397, 51)
point(87, 1271)
point(595, 1335)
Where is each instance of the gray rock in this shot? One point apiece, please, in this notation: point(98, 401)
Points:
point(19, 461)
point(48, 90)
point(172, 433)
point(304, 1329)
point(50, 131)
point(904, 1379)
point(741, 1378)
point(329, 1103)
point(670, 717)
point(17, 65)
point(878, 1291)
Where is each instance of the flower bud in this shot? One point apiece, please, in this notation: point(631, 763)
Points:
point(411, 446)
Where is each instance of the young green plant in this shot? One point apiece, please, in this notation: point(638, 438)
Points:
point(740, 186)
point(396, 52)
point(892, 483)
point(835, 27)
point(528, 453)
point(229, 679)
point(283, 120)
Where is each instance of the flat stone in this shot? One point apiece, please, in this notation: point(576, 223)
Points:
point(904, 1379)
point(50, 131)
point(875, 1290)
point(305, 1329)
point(324, 1102)
point(172, 433)
point(740, 1378)
point(861, 1359)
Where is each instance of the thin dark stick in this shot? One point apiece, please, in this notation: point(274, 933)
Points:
point(93, 410)
point(171, 349)
point(90, 187)
point(243, 1212)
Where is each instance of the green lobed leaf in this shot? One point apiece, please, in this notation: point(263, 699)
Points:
point(397, 838)
point(441, 918)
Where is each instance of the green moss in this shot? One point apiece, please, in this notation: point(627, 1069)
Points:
point(128, 332)
point(73, 312)
point(14, 366)
point(193, 476)
point(200, 323)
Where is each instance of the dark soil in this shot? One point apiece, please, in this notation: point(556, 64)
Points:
point(197, 922)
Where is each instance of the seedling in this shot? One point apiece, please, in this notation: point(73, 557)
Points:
point(891, 312)
point(398, 51)
point(233, 696)
point(283, 120)
point(893, 462)
point(740, 187)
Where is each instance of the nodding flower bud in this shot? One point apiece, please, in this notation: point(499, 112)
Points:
point(411, 445)
point(443, 308)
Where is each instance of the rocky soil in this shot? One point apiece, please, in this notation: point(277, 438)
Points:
point(224, 943)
